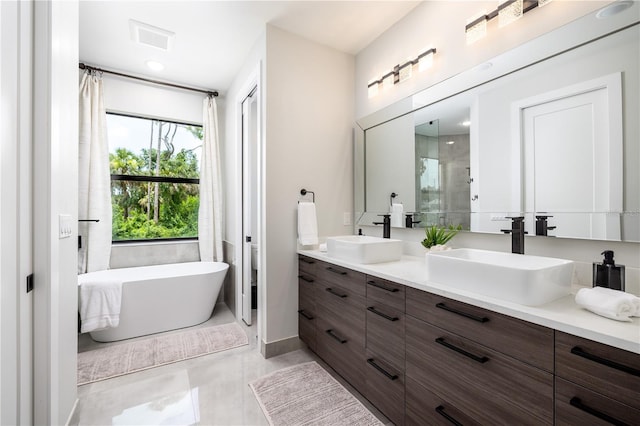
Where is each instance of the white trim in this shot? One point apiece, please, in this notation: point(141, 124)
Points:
point(612, 83)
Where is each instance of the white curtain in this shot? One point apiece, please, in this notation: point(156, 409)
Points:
point(210, 212)
point(94, 186)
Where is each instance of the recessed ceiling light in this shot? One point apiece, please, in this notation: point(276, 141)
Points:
point(450, 142)
point(155, 66)
point(482, 67)
point(466, 123)
point(614, 8)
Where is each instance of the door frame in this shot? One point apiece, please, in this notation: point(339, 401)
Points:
point(254, 80)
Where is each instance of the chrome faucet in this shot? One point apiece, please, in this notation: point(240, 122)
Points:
point(386, 225)
point(517, 234)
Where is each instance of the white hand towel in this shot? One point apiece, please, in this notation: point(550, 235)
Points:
point(396, 211)
point(609, 303)
point(307, 223)
point(100, 303)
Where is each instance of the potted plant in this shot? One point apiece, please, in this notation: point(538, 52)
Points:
point(436, 236)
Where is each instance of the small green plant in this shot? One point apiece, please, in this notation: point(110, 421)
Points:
point(436, 235)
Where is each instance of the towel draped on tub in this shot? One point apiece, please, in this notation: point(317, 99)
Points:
point(99, 304)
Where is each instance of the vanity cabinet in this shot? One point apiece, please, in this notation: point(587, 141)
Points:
point(475, 364)
point(595, 383)
point(424, 359)
point(385, 347)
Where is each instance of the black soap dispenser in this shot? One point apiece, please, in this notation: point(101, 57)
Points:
point(608, 274)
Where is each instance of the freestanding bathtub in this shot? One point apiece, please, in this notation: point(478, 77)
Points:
point(161, 297)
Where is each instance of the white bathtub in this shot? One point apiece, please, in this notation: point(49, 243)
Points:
point(161, 297)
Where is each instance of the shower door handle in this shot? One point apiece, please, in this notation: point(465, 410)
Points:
point(247, 238)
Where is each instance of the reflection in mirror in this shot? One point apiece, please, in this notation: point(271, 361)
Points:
point(588, 185)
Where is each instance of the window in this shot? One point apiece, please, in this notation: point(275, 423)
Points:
point(154, 178)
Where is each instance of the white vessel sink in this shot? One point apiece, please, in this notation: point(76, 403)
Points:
point(364, 249)
point(523, 279)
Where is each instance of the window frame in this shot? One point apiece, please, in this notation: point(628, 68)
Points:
point(154, 179)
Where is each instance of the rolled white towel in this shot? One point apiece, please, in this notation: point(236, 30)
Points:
point(609, 303)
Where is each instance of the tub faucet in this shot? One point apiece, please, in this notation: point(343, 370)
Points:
point(386, 225)
point(517, 234)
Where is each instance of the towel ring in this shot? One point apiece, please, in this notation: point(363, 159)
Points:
point(304, 192)
point(391, 197)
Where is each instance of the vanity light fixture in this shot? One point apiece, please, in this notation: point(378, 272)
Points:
point(507, 12)
point(401, 72)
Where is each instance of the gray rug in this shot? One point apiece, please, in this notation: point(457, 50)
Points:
point(125, 358)
point(306, 394)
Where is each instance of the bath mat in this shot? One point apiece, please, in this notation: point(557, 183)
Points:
point(306, 394)
point(125, 358)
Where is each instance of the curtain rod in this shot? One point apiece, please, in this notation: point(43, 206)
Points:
point(148, 80)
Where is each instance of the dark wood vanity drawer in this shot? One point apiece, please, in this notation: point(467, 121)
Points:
point(336, 346)
point(307, 265)
point(604, 369)
point(385, 387)
point(346, 278)
point(348, 324)
point(342, 303)
point(387, 292)
point(307, 313)
point(487, 385)
point(385, 333)
point(576, 405)
point(424, 408)
point(525, 341)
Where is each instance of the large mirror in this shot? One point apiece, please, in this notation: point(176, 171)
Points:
point(556, 141)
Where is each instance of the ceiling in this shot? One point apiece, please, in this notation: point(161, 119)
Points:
point(213, 38)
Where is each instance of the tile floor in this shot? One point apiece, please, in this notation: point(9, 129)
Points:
point(208, 390)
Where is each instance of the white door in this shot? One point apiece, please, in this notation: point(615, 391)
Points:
point(581, 193)
point(249, 207)
point(16, 303)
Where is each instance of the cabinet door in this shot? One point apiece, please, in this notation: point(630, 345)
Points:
point(307, 310)
point(576, 405)
point(610, 371)
point(385, 333)
point(527, 342)
point(487, 385)
point(423, 407)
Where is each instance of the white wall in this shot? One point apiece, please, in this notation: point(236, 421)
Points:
point(440, 24)
point(309, 118)
point(55, 193)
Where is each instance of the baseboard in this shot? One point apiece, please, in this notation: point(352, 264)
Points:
point(280, 347)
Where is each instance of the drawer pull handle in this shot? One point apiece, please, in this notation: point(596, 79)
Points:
point(464, 314)
point(383, 315)
point(335, 271)
point(332, 334)
point(335, 293)
point(576, 350)
point(383, 287)
point(390, 376)
point(305, 260)
point(440, 410)
point(304, 314)
point(576, 402)
point(480, 359)
point(304, 278)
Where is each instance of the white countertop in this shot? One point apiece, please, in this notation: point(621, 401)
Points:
point(562, 314)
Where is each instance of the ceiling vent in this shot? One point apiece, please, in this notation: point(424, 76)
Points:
point(149, 35)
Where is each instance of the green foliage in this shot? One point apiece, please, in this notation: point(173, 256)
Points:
point(436, 235)
point(133, 203)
